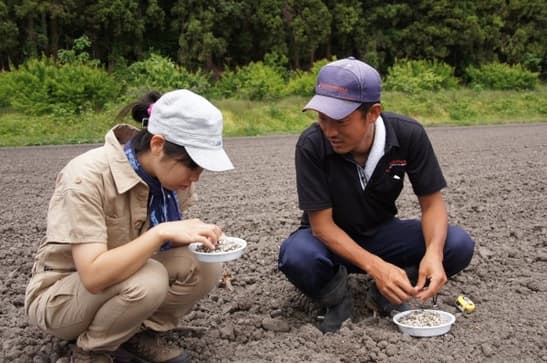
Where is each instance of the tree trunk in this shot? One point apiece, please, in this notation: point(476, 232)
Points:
point(30, 42)
point(53, 36)
point(209, 64)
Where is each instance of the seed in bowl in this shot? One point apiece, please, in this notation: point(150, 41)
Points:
point(222, 246)
point(421, 319)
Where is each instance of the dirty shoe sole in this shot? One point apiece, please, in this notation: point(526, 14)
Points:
point(123, 356)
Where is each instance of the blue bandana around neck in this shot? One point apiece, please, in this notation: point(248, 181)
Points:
point(163, 204)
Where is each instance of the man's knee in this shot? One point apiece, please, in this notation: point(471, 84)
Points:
point(305, 262)
point(296, 255)
point(459, 250)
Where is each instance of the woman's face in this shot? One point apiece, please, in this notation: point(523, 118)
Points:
point(174, 175)
point(171, 172)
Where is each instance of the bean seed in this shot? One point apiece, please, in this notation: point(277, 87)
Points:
point(421, 319)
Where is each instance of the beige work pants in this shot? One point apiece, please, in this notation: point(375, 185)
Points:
point(156, 297)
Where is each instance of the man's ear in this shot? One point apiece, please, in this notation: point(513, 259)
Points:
point(374, 112)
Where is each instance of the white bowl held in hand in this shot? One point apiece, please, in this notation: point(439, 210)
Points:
point(408, 325)
point(232, 248)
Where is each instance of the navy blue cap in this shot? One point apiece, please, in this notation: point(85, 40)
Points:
point(342, 86)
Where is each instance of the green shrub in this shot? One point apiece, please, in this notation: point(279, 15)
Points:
point(303, 83)
point(78, 53)
point(226, 86)
point(501, 76)
point(5, 88)
point(162, 74)
point(278, 62)
point(41, 86)
point(29, 86)
point(420, 75)
point(79, 87)
point(255, 81)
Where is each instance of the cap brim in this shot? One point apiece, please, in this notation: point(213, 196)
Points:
point(334, 108)
point(210, 159)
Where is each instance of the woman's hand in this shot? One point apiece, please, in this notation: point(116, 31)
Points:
point(100, 268)
point(184, 232)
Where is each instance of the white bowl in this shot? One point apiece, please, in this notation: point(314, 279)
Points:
point(447, 320)
point(220, 256)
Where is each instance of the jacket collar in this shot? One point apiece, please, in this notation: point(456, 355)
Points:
point(124, 176)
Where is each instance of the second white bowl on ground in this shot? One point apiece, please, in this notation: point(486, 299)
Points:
point(442, 322)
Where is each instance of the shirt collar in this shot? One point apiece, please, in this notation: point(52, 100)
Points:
point(378, 147)
point(390, 140)
point(391, 137)
point(124, 176)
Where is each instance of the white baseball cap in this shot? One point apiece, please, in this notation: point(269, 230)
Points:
point(187, 119)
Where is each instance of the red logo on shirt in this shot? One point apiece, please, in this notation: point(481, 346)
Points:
point(393, 163)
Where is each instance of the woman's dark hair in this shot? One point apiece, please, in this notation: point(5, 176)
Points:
point(141, 141)
point(139, 108)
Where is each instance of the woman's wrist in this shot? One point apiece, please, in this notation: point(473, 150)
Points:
point(157, 235)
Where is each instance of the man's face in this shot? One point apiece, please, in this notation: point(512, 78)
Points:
point(348, 135)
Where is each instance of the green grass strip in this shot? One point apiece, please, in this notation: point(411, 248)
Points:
point(284, 116)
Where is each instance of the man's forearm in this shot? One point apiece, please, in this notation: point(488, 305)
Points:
point(434, 223)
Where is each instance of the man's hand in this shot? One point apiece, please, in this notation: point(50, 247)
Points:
point(393, 283)
point(432, 270)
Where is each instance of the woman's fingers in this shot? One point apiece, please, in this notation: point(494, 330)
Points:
point(190, 230)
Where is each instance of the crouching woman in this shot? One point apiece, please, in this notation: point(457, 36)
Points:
point(114, 270)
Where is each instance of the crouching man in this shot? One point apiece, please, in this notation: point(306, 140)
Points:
point(350, 168)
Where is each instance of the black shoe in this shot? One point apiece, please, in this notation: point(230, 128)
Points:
point(335, 297)
point(337, 314)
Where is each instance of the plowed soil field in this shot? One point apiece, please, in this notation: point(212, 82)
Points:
point(497, 179)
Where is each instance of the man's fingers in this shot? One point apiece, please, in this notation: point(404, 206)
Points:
point(432, 289)
point(393, 297)
point(399, 294)
point(421, 282)
point(426, 294)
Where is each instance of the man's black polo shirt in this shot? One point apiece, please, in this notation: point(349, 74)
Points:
point(329, 180)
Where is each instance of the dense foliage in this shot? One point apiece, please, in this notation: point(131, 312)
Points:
point(414, 76)
point(214, 36)
point(76, 84)
point(501, 76)
point(42, 86)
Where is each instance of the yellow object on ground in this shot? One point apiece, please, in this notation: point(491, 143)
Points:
point(465, 304)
